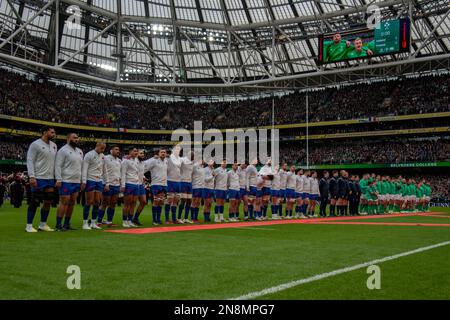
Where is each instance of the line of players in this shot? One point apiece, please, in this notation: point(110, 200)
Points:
point(180, 184)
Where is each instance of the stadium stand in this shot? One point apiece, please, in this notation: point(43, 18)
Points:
point(31, 99)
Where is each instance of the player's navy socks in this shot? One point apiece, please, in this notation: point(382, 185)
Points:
point(67, 221)
point(264, 211)
point(173, 210)
point(180, 210)
point(58, 221)
point(236, 214)
point(137, 214)
point(101, 214)
point(94, 212)
point(86, 210)
point(130, 217)
point(187, 209)
point(207, 216)
point(31, 212)
point(166, 211)
point(158, 213)
point(221, 208)
point(110, 214)
point(297, 209)
point(280, 210)
point(154, 218)
point(44, 215)
point(304, 208)
point(274, 209)
point(250, 210)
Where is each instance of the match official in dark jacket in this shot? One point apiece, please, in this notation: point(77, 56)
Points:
point(324, 193)
point(343, 193)
point(352, 195)
point(358, 195)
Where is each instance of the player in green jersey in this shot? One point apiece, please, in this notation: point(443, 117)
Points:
point(390, 194)
point(404, 193)
point(372, 197)
point(411, 191)
point(427, 195)
point(397, 194)
point(360, 51)
point(384, 195)
point(335, 50)
point(419, 196)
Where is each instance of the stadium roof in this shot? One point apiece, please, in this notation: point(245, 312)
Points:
point(209, 47)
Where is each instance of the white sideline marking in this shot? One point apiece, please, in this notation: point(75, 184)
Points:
point(284, 286)
point(256, 228)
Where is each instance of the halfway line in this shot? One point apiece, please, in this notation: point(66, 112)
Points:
point(281, 287)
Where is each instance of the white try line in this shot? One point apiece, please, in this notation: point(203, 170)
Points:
point(284, 286)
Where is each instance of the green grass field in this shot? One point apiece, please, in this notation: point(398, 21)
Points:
point(222, 263)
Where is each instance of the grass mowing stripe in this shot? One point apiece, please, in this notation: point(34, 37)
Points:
point(281, 287)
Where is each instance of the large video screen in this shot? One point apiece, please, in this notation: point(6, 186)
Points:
point(391, 37)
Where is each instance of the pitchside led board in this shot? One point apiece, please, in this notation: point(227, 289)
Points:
point(391, 37)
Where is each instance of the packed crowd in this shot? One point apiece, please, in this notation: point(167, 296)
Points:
point(13, 150)
point(336, 152)
point(45, 100)
point(340, 152)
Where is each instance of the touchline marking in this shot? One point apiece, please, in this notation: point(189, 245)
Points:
point(281, 287)
point(256, 228)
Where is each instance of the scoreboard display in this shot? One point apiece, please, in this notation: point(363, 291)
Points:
point(391, 37)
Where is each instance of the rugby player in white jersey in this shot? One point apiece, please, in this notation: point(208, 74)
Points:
point(243, 181)
point(68, 164)
point(260, 183)
point(313, 194)
point(142, 194)
point(299, 194)
point(252, 177)
point(158, 171)
point(306, 192)
point(198, 187)
point(173, 182)
point(234, 188)
point(41, 157)
point(275, 192)
point(129, 186)
point(208, 191)
point(220, 190)
point(92, 178)
point(265, 172)
point(291, 186)
point(187, 165)
point(111, 178)
point(283, 185)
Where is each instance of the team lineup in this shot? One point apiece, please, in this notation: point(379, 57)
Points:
point(181, 185)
